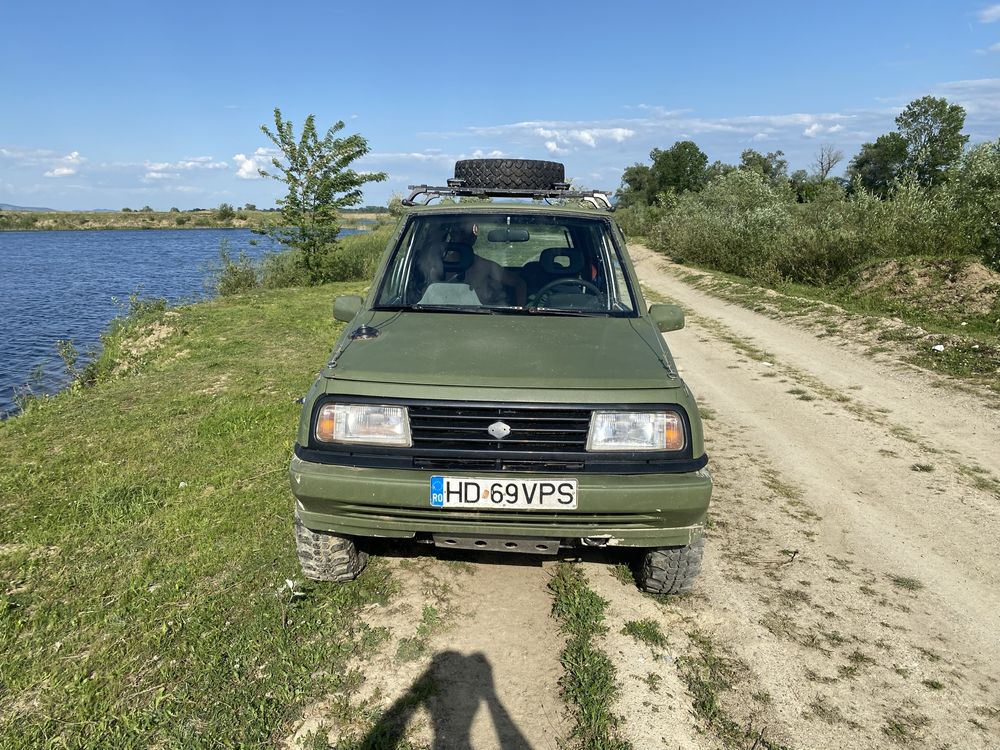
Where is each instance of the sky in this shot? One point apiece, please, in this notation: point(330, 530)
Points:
point(105, 105)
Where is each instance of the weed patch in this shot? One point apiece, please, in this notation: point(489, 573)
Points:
point(708, 674)
point(646, 631)
point(589, 683)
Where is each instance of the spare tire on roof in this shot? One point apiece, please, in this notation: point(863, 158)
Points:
point(512, 174)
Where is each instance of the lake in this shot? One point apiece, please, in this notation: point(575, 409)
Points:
point(63, 285)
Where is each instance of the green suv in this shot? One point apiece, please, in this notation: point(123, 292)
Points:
point(503, 387)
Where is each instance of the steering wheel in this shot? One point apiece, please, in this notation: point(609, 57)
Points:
point(586, 286)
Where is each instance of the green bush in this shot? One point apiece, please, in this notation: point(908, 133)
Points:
point(638, 220)
point(230, 276)
point(739, 223)
point(745, 225)
point(282, 269)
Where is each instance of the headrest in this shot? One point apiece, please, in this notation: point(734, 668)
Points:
point(562, 260)
point(457, 257)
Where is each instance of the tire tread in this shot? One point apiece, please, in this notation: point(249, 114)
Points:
point(325, 556)
point(671, 570)
point(513, 174)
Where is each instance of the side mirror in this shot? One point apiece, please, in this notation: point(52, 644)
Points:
point(346, 307)
point(667, 317)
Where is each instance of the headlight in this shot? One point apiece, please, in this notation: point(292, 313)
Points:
point(636, 431)
point(368, 424)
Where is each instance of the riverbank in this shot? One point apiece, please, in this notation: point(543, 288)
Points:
point(200, 219)
point(146, 538)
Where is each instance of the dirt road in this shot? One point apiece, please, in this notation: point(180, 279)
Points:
point(849, 597)
point(852, 565)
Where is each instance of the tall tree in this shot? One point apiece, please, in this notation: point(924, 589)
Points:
point(678, 169)
point(827, 158)
point(320, 181)
point(633, 190)
point(932, 129)
point(771, 165)
point(878, 165)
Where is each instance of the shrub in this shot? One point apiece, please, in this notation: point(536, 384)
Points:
point(230, 276)
point(224, 212)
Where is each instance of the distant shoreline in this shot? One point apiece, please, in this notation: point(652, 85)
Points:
point(50, 221)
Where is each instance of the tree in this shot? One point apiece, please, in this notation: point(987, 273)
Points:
point(718, 169)
point(932, 129)
point(827, 158)
point(678, 169)
point(225, 212)
point(880, 164)
point(635, 180)
point(320, 182)
point(771, 166)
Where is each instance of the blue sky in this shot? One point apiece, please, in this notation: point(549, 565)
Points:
point(106, 105)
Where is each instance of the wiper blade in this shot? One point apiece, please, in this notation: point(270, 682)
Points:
point(451, 308)
point(561, 311)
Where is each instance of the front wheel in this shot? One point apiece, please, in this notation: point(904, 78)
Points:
point(671, 570)
point(325, 556)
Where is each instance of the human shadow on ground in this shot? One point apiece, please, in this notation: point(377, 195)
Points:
point(452, 688)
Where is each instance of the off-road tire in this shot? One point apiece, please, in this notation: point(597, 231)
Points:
point(327, 557)
point(671, 570)
point(513, 174)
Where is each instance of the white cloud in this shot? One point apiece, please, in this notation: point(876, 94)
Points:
point(60, 172)
point(816, 129)
point(194, 162)
point(156, 175)
point(65, 165)
point(560, 140)
point(247, 166)
point(989, 14)
point(761, 137)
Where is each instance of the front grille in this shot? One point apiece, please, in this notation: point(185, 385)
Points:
point(533, 429)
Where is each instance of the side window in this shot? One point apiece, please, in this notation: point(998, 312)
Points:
point(620, 296)
point(397, 272)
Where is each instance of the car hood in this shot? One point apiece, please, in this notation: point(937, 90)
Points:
point(513, 351)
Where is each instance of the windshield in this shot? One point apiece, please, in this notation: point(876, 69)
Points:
point(495, 262)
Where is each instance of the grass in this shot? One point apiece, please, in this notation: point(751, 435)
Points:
point(906, 583)
point(196, 219)
point(708, 674)
point(416, 646)
point(646, 631)
point(151, 596)
point(589, 684)
point(904, 726)
point(623, 574)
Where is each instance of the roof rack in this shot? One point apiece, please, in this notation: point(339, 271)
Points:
point(559, 190)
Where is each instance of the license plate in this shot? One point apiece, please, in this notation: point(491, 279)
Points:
point(477, 493)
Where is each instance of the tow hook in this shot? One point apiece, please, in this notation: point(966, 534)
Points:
point(595, 541)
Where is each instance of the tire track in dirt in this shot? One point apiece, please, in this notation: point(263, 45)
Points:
point(465, 654)
point(852, 600)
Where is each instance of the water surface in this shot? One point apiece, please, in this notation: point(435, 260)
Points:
point(63, 285)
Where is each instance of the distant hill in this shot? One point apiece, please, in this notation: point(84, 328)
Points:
point(9, 207)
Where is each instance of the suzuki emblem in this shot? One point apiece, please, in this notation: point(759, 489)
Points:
point(499, 430)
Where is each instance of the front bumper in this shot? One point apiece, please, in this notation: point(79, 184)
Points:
point(647, 510)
